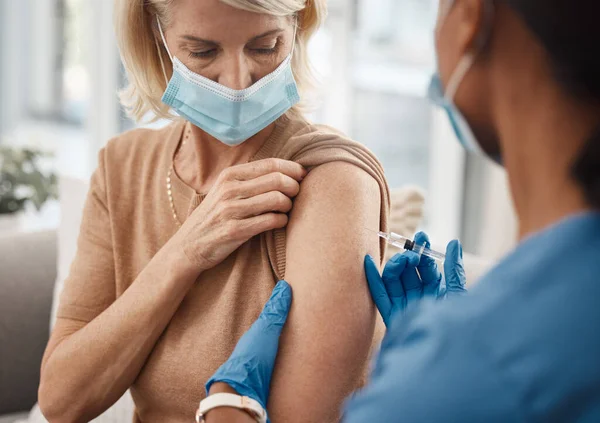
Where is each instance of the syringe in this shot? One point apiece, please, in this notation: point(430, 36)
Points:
point(404, 243)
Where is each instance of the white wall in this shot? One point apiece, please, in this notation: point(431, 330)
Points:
point(446, 181)
point(499, 227)
point(489, 221)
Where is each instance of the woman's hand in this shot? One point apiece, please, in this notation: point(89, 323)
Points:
point(250, 367)
point(406, 279)
point(245, 201)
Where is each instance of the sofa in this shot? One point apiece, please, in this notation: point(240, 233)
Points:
point(29, 268)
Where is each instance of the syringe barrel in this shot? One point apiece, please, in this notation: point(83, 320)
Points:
point(422, 250)
point(408, 244)
point(402, 241)
point(433, 254)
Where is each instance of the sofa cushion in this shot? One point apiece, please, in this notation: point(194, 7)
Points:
point(27, 274)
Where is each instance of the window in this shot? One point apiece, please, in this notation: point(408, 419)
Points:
point(43, 62)
point(60, 70)
point(392, 59)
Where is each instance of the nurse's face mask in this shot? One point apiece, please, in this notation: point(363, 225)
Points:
point(446, 98)
point(229, 115)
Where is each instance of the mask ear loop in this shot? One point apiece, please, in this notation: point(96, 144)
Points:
point(294, 39)
point(160, 56)
point(457, 77)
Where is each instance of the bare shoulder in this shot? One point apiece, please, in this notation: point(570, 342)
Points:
point(336, 199)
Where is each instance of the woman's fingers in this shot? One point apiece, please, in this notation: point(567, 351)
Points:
point(253, 170)
point(266, 183)
point(252, 226)
point(454, 269)
point(378, 291)
point(268, 202)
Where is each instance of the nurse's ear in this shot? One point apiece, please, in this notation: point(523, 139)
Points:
point(463, 23)
point(462, 28)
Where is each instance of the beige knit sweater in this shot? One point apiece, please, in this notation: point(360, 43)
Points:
point(126, 221)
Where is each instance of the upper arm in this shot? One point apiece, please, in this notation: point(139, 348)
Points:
point(428, 371)
point(90, 286)
point(325, 346)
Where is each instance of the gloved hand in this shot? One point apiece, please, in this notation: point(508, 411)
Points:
point(406, 279)
point(250, 367)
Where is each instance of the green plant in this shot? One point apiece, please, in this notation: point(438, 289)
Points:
point(22, 180)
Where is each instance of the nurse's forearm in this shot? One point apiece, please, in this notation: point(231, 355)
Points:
point(87, 368)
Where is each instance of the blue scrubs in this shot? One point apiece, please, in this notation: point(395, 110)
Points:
point(523, 346)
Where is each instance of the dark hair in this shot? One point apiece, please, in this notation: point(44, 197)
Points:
point(569, 30)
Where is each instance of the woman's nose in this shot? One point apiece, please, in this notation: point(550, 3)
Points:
point(235, 74)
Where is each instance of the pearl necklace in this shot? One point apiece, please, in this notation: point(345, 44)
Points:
point(170, 173)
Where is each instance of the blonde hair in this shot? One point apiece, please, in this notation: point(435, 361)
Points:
point(135, 27)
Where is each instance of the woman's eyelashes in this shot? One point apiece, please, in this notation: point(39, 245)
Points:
point(263, 49)
point(203, 54)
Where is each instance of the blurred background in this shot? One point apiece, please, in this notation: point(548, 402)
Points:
point(59, 75)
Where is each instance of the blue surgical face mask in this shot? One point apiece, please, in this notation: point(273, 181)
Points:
point(231, 116)
point(461, 127)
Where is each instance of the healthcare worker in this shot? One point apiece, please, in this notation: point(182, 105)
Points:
point(520, 80)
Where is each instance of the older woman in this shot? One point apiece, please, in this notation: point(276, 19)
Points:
point(187, 229)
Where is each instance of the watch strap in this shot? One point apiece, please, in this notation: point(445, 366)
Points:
point(247, 404)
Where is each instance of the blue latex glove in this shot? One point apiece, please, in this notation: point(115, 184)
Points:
point(250, 367)
point(406, 279)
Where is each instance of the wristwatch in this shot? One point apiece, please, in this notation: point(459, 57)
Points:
point(247, 404)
